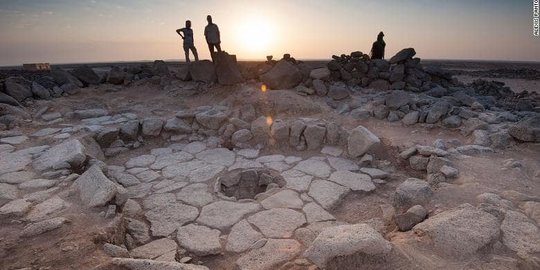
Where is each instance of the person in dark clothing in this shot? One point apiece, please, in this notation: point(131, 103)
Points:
point(188, 41)
point(377, 51)
point(213, 38)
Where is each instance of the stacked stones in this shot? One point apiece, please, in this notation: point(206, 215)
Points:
point(401, 72)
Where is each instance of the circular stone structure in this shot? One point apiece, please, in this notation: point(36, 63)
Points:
point(247, 183)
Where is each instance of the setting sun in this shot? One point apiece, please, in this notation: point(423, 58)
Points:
point(255, 35)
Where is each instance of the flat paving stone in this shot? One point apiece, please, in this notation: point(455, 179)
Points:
point(199, 240)
point(16, 140)
point(147, 264)
point(17, 177)
point(354, 181)
point(172, 187)
point(273, 254)
point(140, 161)
point(375, 173)
point(299, 183)
point(205, 173)
point(342, 164)
point(165, 160)
point(332, 151)
point(194, 147)
point(315, 213)
point(44, 226)
point(45, 132)
point(196, 195)
point(278, 222)
point(36, 184)
point(6, 148)
point(242, 237)
point(10, 162)
point(270, 158)
point(15, 208)
point(154, 249)
point(148, 176)
point(47, 208)
point(217, 156)
point(292, 159)
point(278, 166)
point(182, 169)
point(327, 194)
point(165, 219)
point(314, 167)
point(224, 214)
point(249, 153)
point(283, 199)
point(157, 200)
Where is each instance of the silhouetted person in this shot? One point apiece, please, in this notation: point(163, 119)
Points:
point(211, 32)
point(377, 51)
point(188, 41)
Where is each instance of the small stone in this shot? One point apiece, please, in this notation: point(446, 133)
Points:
point(43, 227)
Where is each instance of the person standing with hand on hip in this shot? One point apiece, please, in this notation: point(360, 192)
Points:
point(188, 41)
point(211, 32)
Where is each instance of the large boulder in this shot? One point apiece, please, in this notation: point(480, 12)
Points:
point(283, 75)
point(347, 240)
point(227, 70)
point(211, 119)
point(62, 77)
point(4, 98)
point(95, 188)
point(380, 85)
point(40, 92)
point(116, 76)
point(67, 155)
point(338, 92)
point(520, 234)
point(18, 88)
point(360, 141)
point(160, 68)
point(528, 130)
point(203, 71)
point(320, 73)
point(403, 55)
point(437, 111)
point(460, 232)
point(86, 75)
point(396, 99)
point(412, 192)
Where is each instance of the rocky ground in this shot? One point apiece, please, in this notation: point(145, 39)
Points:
point(350, 164)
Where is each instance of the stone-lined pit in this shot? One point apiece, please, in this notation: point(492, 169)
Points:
point(247, 183)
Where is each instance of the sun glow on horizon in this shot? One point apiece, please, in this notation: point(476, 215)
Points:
point(255, 35)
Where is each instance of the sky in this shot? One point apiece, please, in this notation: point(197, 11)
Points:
point(69, 31)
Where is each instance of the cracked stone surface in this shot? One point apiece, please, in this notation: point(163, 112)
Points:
point(200, 240)
point(327, 194)
point(224, 214)
point(196, 195)
point(278, 222)
point(242, 237)
point(283, 199)
point(314, 167)
point(166, 218)
point(354, 181)
point(274, 253)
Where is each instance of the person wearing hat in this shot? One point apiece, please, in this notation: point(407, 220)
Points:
point(377, 51)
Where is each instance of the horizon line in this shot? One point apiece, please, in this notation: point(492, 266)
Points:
point(259, 60)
